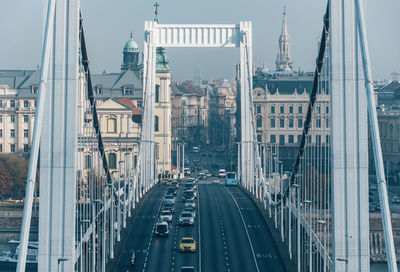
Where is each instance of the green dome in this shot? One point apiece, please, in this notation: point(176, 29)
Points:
point(131, 46)
point(162, 60)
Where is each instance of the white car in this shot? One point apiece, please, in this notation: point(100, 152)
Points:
point(221, 173)
point(166, 215)
point(169, 199)
point(190, 204)
point(216, 180)
point(186, 219)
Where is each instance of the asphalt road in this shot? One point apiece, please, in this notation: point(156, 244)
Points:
point(230, 232)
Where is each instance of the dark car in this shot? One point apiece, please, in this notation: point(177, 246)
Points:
point(169, 206)
point(162, 229)
point(188, 195)
point(171, 190)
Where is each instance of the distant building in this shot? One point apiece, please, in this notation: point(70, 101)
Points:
point(119, 99)
point(190, 113)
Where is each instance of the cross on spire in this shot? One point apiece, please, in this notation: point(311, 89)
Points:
point(284, 10)
point(156, 12)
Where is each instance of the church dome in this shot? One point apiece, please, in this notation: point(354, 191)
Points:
point(131, 46)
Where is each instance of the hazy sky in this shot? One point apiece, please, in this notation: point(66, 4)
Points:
point(108, 25)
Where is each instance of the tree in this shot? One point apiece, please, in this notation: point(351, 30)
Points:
point(18, 170)
point(5, 181)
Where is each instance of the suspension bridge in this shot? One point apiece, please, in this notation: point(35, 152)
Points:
point(319, 207)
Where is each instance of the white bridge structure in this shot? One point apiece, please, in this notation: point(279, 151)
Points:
point(78, 206)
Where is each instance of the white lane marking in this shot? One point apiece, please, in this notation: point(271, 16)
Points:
point(198, 208)
point(245, 227)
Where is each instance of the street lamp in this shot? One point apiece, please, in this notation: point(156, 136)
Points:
point(119, 201)
point(84, 221)
point(308, 203)
point(323, 223)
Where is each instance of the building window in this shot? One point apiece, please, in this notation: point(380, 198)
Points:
point(281, 139)
point(309, 139)
point(258, 109)
point(282, 110)
point(290, 109)
point(300, 123)
point(88, 161)
point(327, 123)
point(282, 122)
point(156, 127)
point(35, 89)
point(112, 124)
point(1, 118)
point(139, 104)
point(26, 104)
point(128, 90)
point(318, 122)
point(327, 139)
point(157, 98)
point(12, 103)
point(1, 133)
point(1, 103)
point(259, 121)
point(326, 109)
point(272, 139)
point(12, 148)
point(272, 109)
point(298, 139)
point(12, 118)
point(99, 89)
point(291, 123)
point(300, 109)
point(26, 148)
point(12, 133)
point(318, 139)
point(1, 148)
point(273, 123)
point(112, 160)
point(26, 133)
point(26, 118)
point(291, 139)
point(259, 138)
point(319, 109)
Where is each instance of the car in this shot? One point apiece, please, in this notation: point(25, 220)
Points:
point(169, 207)
point(171, 191)
point(164, 181)
point(191, 210)
point(187, 244)
point(188, 269)
point(190, 204)
point(175, 184)
point(208, 175)
point(215, 180)
point(396, 200)
point(192, 191)
point(188, 195)
point(221, 173)
point(166, 215)
point(169, 199)
point(162, 229)
point(186, 218)
point(132, 257)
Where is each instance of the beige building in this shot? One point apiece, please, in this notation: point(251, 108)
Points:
point(162, 122)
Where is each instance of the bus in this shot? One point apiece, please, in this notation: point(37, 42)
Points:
point(231, 178)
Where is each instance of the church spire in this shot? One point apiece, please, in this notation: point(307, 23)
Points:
point(283, 60)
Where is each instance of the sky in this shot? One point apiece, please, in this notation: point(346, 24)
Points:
point(108, 25)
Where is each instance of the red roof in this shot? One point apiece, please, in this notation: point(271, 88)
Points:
point(127, 102)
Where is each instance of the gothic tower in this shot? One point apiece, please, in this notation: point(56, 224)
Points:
point(284, 60)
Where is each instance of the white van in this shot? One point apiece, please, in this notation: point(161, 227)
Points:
point(221, 173)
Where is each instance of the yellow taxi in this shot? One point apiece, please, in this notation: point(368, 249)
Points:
point(164, 181)
point(187, 244)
